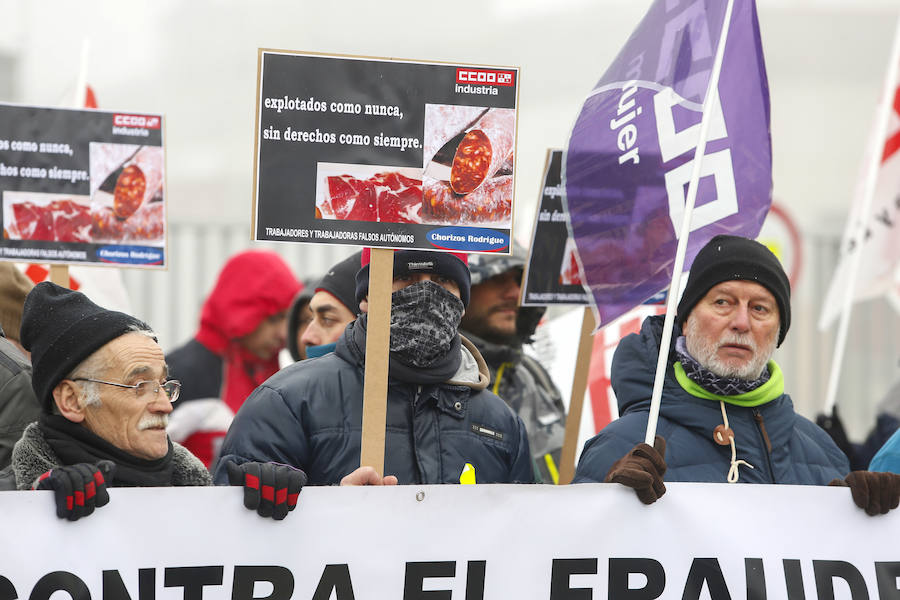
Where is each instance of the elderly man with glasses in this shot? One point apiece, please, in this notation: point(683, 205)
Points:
point(101, 379)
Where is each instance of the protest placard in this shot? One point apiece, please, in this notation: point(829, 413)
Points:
point(82, 186)
point(552, 275)
point(384, 153)
point(711, 541)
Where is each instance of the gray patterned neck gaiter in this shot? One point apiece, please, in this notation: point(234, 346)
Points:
point(424, 320)
point(709, 381)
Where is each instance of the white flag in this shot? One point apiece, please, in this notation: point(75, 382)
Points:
point(878, 236)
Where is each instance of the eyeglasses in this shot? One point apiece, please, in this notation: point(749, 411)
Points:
point(144, 390)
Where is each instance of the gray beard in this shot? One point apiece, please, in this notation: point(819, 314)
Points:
point(705, 353)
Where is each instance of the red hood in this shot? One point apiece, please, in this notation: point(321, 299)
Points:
point(252, 285)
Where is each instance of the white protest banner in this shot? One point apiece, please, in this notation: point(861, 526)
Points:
point(452, 542)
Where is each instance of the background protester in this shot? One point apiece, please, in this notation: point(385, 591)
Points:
point(14, 287)
point(101, 380)
point(724, 415)
point(441, 420)
point(18, 406)
point(243, 326)
point(333, 306)
point(496, 324)
point(887, 421)
point(887, 455)
point(298, 319)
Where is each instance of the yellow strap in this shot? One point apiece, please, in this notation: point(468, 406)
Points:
point(551, 466)
point(499, 377)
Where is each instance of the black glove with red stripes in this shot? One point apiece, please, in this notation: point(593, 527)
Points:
point(78, 488)
point(271, 489)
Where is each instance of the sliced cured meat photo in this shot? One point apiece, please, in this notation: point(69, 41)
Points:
point(490, 203)
point(443, 122)
point(129, 193)
point(146, 224)
point(61, 220)
point(385, 198)
point(483, 150)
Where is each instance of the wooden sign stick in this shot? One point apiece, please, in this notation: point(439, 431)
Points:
point(576, 400)
point(378, 332)
point(59, 274)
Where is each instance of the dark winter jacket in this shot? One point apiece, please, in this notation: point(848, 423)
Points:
point(527, 388)
point(309, 415)
point(33, 456)
point(18, 404)
point(782, 446)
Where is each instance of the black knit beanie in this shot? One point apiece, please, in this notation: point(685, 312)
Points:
point(727, 258)
point(62, 328)
point(340, 282)
point(448, 264)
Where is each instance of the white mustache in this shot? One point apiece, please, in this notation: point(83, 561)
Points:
point(738, 339)
point(153, 421)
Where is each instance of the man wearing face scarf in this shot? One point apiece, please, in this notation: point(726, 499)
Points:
point(442, 422)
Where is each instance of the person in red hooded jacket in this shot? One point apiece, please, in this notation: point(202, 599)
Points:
point(243, 326)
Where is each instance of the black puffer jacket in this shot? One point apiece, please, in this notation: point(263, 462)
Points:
point(309, 415)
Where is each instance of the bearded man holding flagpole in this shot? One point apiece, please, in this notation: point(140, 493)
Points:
point(716, 397)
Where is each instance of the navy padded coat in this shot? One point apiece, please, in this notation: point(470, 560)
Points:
point(309, 415)
point(782, 446)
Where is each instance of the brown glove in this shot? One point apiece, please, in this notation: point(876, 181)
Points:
point(642, 469)
point(875, 493)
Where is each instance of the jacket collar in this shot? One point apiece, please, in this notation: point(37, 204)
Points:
point(471, 371)
point(495, 354)
point(770, 390)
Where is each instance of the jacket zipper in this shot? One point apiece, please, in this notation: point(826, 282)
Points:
point(761, 427)
point(412, 430)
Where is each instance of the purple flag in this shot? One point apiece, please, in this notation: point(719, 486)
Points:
point(630, 153)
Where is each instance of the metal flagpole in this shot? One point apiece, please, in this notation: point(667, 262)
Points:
point(672, 301)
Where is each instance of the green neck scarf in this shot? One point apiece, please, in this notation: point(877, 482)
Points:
point(767, 392)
